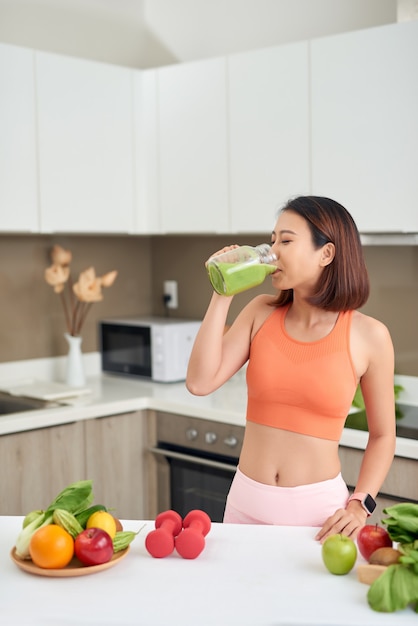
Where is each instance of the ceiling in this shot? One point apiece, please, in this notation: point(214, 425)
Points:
point(150, 33)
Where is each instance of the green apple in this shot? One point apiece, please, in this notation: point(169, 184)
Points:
point(339, 554)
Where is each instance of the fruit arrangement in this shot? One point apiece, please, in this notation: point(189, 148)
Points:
point(391, 572)
point(397, 585)
point(72, 527)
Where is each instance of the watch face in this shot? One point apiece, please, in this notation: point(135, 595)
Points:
point(369, 503)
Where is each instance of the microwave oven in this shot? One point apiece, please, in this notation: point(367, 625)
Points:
point(155, 348)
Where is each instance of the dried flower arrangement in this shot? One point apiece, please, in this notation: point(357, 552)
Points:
point(82, 294)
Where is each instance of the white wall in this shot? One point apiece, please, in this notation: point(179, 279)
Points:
point(149, 33)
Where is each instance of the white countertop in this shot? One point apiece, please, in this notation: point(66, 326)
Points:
point(112, 395)
point(246, 575)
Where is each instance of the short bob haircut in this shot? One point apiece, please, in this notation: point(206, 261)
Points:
point(344, 283)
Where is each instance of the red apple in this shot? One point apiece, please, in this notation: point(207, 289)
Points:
point(93, 546)
point(370, 538)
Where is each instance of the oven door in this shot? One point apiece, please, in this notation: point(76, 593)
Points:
point(187, 480)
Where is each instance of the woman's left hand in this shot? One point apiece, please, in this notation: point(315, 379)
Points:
point(344, 521)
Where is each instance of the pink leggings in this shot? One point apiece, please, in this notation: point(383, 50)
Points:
point(251, 502)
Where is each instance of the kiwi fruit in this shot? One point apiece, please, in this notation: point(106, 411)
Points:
point(385, 556)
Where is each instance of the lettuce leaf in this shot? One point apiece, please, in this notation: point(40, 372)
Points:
point(394, 590)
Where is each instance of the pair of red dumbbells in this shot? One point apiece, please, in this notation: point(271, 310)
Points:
point(171, 531)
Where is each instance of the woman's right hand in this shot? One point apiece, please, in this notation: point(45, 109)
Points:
point(225, 249)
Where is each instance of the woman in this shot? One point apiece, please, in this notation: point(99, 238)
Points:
point(307, 349)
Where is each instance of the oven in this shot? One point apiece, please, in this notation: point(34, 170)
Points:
point(193, 462)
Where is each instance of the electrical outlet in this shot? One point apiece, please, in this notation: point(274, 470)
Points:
point(170, 294)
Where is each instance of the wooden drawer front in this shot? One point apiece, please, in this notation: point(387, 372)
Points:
point(400, 483)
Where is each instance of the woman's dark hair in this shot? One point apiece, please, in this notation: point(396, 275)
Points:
point(344, 283)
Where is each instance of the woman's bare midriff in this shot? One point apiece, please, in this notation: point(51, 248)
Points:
point(278, 457)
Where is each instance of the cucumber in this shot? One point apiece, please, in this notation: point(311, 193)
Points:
point(83, 516)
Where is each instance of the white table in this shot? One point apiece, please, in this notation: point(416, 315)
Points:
point(247, 575)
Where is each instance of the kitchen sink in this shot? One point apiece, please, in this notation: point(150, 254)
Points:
point(18, 404)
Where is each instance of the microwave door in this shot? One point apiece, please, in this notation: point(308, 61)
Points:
point(126, 349)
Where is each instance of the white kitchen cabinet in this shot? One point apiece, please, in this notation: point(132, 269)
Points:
point(85, 113)
point(193, 172)
point(18, 166)
point(147, 206)
point(365, 124)
point(268, 133)
point(114, 461)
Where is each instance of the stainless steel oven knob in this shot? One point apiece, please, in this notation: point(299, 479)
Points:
point(191, 434)
point(210, 437)
point(231, 441)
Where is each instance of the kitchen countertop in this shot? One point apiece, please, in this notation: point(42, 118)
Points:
point(246, 575)
point(112, 395)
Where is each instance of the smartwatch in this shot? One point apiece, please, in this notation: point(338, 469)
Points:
point(367, 502)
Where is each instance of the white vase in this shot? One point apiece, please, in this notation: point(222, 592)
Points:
point(75, 367)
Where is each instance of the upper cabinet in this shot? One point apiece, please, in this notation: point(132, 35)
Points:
point(268, 133)
point(85, 116)
point(212, 146)
point(147, 207)
point(192, 147)
point(18, 165)
point(365, 125)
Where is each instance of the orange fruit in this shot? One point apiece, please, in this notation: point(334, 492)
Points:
point(103, 520)
point(51, 547)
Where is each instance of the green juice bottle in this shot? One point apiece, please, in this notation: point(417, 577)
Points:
point(241, 268)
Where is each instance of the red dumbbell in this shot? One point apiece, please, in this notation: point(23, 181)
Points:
point(190, 543)
point(160, 542)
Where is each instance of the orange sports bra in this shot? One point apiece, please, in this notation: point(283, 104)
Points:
point(306, 388)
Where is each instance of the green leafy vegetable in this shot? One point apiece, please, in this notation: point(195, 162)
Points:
point(397, 587)
point(74, 498)
point(402, 523)
point(393, 590)
point(358, 400)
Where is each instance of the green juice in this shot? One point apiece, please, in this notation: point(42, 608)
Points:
point(227, 279)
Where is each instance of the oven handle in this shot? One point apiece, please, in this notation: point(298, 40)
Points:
point(193, 459)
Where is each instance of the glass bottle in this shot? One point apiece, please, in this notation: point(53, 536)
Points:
point(241, 268)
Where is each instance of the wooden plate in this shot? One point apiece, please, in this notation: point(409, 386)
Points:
point(75, 568)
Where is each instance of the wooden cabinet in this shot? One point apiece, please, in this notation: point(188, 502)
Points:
point(365, 125)
point(193, 171)
point(18, 165)
point(400, 484)
point(37, 464)
point(85, 117)
point(268, 133)
point(114, 461)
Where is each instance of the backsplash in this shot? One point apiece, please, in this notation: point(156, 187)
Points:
point(32, 321)
point(393, 272)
